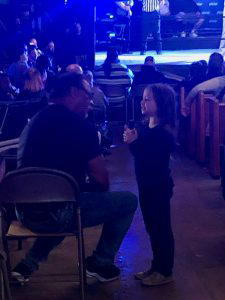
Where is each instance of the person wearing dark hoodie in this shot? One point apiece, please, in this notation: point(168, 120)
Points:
point(149, 73)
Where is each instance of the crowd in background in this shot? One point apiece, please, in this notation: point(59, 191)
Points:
point(31, 69)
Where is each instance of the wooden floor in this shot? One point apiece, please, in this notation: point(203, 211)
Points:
point(198, 213)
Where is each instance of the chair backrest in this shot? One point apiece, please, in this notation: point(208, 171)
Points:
point(138, 90)
point(7, 146)
point(38, 185)
point(114, 90)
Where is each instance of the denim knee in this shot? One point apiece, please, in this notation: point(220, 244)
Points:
point(131, 200)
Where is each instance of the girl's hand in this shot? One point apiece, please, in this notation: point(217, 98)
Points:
point(129, 135)
point(185, 111)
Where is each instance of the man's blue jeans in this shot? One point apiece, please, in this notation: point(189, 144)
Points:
point(115, 210)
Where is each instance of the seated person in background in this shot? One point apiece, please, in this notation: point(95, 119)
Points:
point(8, 92)
point(187, 15)
point(75, 68)
point(50, 53)
point(33, 92)
point(215, 65)
point(214, 85)
point(33, 42)
point(197, 74)
point(149, 73)
point(99, 99)
point(61, 138)
point(47, 74)
point(32, 56)
point(17, 69)
point(112, 72)
point(99, 113)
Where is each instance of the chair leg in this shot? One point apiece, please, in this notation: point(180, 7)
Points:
point(20, 244)
point(5, 292)
point(81, 256)
point(8, 263)
point(2, 286)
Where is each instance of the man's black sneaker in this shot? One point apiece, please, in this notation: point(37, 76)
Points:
point(18, 279)
point(20, 274)
point(103, 273)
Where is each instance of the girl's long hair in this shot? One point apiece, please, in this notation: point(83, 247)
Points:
point(164, 96)
point(33, 81)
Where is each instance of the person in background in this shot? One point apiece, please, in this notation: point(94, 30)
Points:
point(33, 92)
point(98, 114)
point(33, 42)
point(215, 66)
point(150, 24)
point(188, 17)
point(17, 70)
point(74, 50)
point(50, 53)
point(149, 73)
point(112, 72)
point(74, 68)
point(47, 74)
point(32, 56)
point(197, 74)
point(99, 99)
point(151, 147)
point(123, 21)
point(215, 85)
point(8, 92)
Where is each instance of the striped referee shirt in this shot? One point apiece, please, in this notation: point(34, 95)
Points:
point(150, 5)
point(120, 74)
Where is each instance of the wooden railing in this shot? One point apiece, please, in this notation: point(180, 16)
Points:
point(207, 119)
point(216, 134)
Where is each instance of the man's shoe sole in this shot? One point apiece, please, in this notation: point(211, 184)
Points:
point(158, 284)
point(101, 279)
point(18, 279)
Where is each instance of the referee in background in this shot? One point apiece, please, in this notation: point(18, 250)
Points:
point(150, 23)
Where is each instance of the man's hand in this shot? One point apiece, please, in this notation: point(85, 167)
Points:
point(98, 173)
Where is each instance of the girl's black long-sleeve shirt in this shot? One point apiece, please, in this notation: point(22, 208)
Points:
point(151, 152)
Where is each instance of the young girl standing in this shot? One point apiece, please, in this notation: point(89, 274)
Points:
point(151, 147)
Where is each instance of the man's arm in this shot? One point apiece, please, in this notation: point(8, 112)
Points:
point(213, 85)
point(98, 174)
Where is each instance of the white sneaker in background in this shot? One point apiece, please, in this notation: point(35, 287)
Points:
point(193, 34)
point(155, 279)
point(183, 34)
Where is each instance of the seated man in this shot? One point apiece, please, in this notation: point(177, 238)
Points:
point(59, 137)
point(187, 15)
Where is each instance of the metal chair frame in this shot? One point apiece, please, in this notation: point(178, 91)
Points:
point(117, 96)
point(42, 186)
